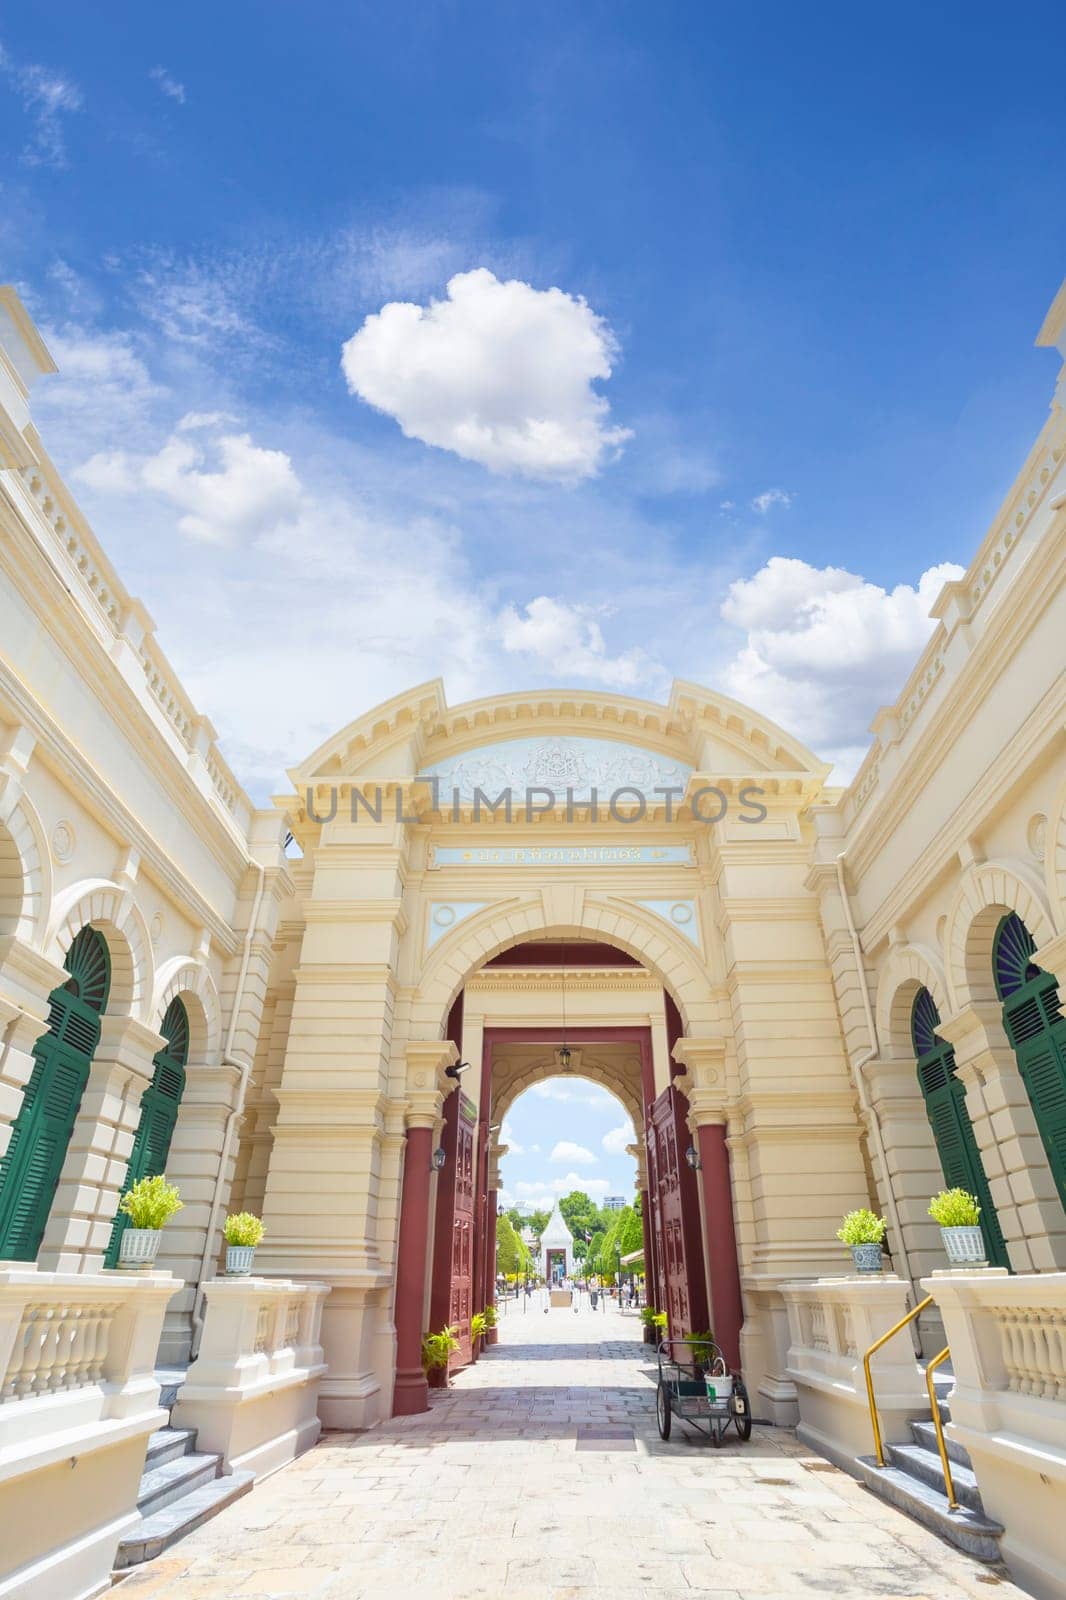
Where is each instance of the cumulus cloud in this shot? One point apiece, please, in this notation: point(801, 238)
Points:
point(567, 641)
point(566, 1150)
point(575, 1091)
point(770, 497)
point(616, 1140)
point(498, 372)
point(825, 647)
point(251, 491)
point(169, 86)
point(507, 1137)
point(47, 97)
point(545, 1194)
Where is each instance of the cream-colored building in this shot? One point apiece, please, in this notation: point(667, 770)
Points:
point(789, 986)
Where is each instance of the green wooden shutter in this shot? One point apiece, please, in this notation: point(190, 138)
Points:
point(30, 1169)
point(159, 1114)
point(945, 1106)
point(1036, 1028)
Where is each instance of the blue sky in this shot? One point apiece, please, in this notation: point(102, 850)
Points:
point(563, 1134)
point(717, 349)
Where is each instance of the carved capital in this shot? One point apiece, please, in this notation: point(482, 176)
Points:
point(704, 1063)
point(427, 1086)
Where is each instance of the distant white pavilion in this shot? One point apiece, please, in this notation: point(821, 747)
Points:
point(556, 1249)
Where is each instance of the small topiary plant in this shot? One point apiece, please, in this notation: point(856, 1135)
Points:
point(660, 1319)
point(862, 1227)
point(150, 1203)
point(954, 1208)
point(648, 1315)
point(489, 1314)
point(478, 1326)
point(438, 1348)
point(242, 1228)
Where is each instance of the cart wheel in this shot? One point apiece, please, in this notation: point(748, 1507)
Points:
point(662, 1411)
point(742, 1419)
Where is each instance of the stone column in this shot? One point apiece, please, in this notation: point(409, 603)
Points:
point(914, 1171)
point(86, 1200)
point(704, 1083)
point(426, 1087)
point(1015, 1160)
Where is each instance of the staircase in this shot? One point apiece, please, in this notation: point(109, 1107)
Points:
point(180, 1488)
point(913, 1479)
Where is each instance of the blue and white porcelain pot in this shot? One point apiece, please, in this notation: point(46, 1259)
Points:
point(239, 1258)
point(866, 1257)
point(965, 1247)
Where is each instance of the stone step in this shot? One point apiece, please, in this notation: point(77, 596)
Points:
point(172, 1480)
point(921, 1463)
point(163, 1528)
point(965, 1529)
point(167, 1444)
point(925, 1435)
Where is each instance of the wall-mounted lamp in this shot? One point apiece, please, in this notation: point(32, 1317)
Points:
point(564, 1058)
point(457, 1069)
point(692, 1156)
point(439, 1157)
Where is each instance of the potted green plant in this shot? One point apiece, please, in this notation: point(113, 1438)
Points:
point(865, 1233)
point(149, 1204)
point(477, 1332)
point(648, 1315)
point(491, 1331)
point(437, 1351)
point(243, 1232)
point(959, 1217)
point(702, 1347)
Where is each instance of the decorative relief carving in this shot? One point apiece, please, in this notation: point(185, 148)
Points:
point(447, 914)
point(64, 841)
point(681, 913)
point(562, 763)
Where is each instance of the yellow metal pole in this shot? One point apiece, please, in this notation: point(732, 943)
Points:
point(874, 1348)
point(953, 1504)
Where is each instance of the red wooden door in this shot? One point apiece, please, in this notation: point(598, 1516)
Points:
point(460, 1307)
point(678, 1238)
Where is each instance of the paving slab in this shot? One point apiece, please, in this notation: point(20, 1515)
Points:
point(540, 1475)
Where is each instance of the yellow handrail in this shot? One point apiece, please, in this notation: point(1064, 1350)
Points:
point(953, 1504)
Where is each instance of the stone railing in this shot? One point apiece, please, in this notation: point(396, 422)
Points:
point(1008, 1408)
point(252, 1391)
point(832, 1323)
point(77, 1388)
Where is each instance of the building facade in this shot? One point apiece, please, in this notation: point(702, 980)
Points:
point(807, 998)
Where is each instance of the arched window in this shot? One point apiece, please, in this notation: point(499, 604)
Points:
point(945, 1106)
point(1036, 1028)
point(159, 1113)
point(29, 1172)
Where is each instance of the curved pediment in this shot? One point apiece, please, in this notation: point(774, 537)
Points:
point(560, 738)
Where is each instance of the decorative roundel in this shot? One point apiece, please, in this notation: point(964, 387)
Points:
point(155, 927)
point(64, 841)
point(444, 916)
point(1036, 835)
point(681, 912)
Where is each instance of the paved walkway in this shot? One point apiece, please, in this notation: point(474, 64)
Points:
point(541, 1476)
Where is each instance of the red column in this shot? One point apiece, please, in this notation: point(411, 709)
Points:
point(727, 1315)
point(490, 1255)
point(650, 1290)
point(412, 1393)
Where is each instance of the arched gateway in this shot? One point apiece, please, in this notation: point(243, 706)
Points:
point(454, 862)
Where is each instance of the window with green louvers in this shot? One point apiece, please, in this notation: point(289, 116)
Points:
point(33, 1161)
point(159, 1114)
point(1036, 1028)
point(945, 1106)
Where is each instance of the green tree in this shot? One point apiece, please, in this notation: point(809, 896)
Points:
point(538, 1221)
point(511, 1254)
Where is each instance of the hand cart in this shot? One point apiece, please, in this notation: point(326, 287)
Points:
point(702, 1393)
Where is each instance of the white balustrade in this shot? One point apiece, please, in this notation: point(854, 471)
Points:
point(1008, 1408)
point(832, 1323)
point(252, 1391)
point(77, 1387)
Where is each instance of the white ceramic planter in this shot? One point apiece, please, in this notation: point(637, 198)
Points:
point(965, 1247)
point(866, 1257)
point(139, 1247)
point(239, 1258)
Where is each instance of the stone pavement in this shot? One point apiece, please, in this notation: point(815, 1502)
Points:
point(541, 1476)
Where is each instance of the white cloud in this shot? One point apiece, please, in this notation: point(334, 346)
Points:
point(252, 492)
point(616, 1140)
point(545, 1194)
point(46, 98)
point(825, 647)
point(170, 86)
point(507, 1137)
point(770, 497)
point(498, 372)
point(575, 1091)
point(568, 642)
point(566, 1150)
